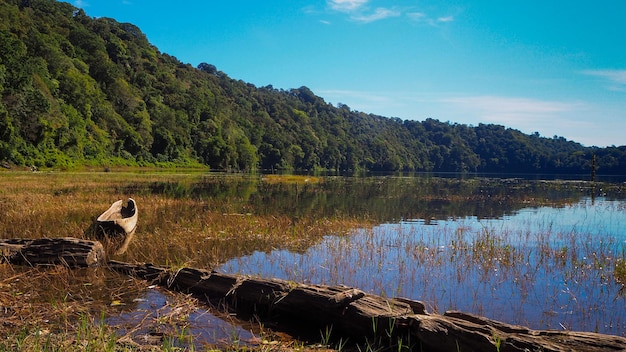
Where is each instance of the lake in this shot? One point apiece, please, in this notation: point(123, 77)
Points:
point(543, 254)
point(543, 267)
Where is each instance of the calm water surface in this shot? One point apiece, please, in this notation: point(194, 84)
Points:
point(530, 252)
point(544, 267)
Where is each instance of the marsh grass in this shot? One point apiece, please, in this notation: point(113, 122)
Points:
point(209, 220)
point(55, 308)
point(184, 220)
point(299, 179)
point(555, 271)
point(173, 222)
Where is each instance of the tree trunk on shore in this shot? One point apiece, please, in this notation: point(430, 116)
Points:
point(349, 311)
point(72, 252)
point(352, 312)
point(457, 331)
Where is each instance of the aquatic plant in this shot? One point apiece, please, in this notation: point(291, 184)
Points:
point(379, 234)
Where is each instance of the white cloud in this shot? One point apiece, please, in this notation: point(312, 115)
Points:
point(361, 98)
point(311, 10)
point(513, 110)
point(379, 14)
point(346, 5)
point(424, 18)
point(445, 19)
point(416, 16)
point(501, 104)
point(615, 78)
point(508, 111)
point(563, 118)
point(570, 119)
point(580, 121)
point(360, 12)
point(80, 3)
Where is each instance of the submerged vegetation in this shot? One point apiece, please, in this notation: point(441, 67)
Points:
point(218, 220)
point(77, 90)
point(534, 271)
point(185, 220)
point(226, 221)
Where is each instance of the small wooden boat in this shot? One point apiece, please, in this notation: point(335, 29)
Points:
point(116, 226)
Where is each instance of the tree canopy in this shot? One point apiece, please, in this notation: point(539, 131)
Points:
point(77, 90)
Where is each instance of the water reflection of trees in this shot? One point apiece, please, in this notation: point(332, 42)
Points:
point(382, 199)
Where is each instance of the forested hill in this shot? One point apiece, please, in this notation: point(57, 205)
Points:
point(77, 90)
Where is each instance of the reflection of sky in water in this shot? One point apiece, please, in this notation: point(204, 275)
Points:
point(152, 309)
point(427, 262)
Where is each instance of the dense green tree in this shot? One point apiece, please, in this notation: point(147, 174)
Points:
point(80, 90)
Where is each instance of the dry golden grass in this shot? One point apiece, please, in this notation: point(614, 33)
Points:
point(42, 307)
point(300, 179)
point(203, 231)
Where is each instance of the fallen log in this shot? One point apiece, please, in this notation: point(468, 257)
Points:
point(352, 312)
point(349, 311)
point(454, 331)
point(72, 252)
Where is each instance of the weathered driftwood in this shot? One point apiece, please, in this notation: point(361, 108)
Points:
point(347, 309)
point(73, 252)
point(353, 312)
point(466, 332)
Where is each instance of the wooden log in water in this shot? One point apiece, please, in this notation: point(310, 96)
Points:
point(69, 251)
point(454, 331)
point(352, 312)
point(349, 311)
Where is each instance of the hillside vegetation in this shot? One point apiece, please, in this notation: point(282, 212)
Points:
point(77, 90)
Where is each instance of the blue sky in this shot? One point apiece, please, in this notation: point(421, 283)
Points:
point(553, 67)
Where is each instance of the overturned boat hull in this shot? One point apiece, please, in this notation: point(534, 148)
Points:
point(116, 226)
